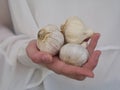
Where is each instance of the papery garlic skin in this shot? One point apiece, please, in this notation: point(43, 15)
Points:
point(73, 54)
point(75, 31)
point(50, 39)
point(84, 44)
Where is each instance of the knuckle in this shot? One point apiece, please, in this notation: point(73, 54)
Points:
point(61, 70)
point(92, 64)
point(35, 58)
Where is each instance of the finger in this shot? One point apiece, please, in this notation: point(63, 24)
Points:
point(93, 60)
point(32, 48)
point(60, 67)
point(73, 72)
point(81, 77)
point(93, 43)
point(36, 55)
point(76, 71)
point(42, 57)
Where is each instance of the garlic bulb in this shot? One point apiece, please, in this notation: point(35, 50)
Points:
point(73, 54)
point(75, 31)
point(50, 39)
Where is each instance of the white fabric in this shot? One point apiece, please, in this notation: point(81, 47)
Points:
point(22, 18)
point(102, 16)
point(17, 71)
point(5, 14)
point(5, 33)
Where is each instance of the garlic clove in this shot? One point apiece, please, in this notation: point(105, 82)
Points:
point(75, 31)
point(50, 39)
point(73, 54)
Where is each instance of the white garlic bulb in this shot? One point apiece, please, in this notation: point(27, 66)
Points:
point(73, 54)
point(50, 39)
point(75, 31)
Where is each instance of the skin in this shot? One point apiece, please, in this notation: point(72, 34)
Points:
point(55, 64)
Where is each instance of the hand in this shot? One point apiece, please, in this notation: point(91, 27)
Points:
point(79, 73)
point(53, 63)
point(36, 55)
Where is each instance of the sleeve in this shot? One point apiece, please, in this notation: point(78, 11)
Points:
point(8, 40)
point(16, 58)
point(5, 33)
point(14, 46)
point(22, 18)
point(25, 30)
point(23, 57)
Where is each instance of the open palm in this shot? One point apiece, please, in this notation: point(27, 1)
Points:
point(59, 67)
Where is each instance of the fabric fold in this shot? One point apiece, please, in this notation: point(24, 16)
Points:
point(18, 67)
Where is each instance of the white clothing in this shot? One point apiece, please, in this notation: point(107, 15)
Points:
point(5, 18)
point(17, 71)
point(28, 16)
